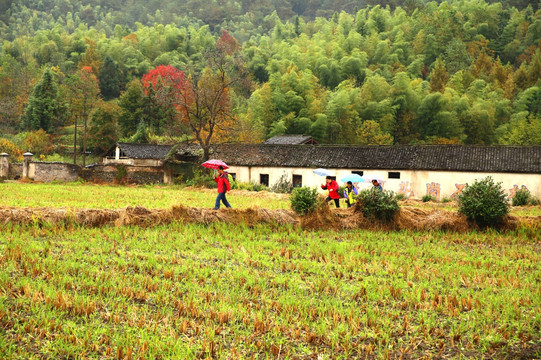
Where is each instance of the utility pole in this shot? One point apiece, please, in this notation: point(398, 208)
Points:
point(84, 138)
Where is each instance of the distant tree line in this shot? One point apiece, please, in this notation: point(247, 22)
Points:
point(410, 72)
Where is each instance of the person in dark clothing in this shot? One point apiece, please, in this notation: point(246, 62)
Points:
point(223, 186)
point(332, 186)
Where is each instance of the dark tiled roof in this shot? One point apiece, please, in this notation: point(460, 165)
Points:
point(513, 159)
point(142, 151)
point(290, 140)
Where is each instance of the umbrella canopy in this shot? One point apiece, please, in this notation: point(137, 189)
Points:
point(323, 172)
point(353, 178)
point(378, 178)
point(213, 164)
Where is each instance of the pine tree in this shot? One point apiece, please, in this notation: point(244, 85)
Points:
point(43, 104)
point(110, 79)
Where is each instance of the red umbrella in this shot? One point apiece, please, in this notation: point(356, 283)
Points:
point(213, 164)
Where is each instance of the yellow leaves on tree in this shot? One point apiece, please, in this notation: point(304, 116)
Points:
point(91, 57)
point(10, 148)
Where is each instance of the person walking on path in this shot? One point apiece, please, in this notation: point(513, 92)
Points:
point(349, 191)
point(223, 186)
point(332, 186)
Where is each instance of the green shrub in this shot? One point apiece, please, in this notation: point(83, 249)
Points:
point(202, 178)
point(258, 187)
point(55, 158)
point(446, 200)
point(484, 202)
point(178, 180)
point(427, 198)
point(534, 201)
point(521, 198)
point(341, 190)
point(251, 186)
point(400, 197)
point(303, 200)
point(121, 174)
point(378, 204)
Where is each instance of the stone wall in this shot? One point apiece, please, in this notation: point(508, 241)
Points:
point(4, 165)
point(54, 171)
point(123, 174)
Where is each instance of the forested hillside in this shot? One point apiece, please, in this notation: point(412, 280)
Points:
point(345, 72)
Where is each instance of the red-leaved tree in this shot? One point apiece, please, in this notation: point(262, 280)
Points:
point(162, 86)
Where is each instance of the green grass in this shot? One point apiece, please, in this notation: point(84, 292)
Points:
point(192, 291)
point(86, 195)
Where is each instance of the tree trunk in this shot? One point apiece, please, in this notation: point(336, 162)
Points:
point(75, 142)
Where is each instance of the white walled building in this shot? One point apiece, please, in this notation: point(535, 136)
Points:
point(414, 170)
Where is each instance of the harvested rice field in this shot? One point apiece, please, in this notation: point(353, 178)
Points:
point(172, 279)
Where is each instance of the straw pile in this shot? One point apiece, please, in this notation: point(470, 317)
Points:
point(412, 218)
point(407, 218)
point(141, 216)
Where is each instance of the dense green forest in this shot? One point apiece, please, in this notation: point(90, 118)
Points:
point(366, 72)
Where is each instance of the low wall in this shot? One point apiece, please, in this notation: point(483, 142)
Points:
point(54, 171)
point(123, 173)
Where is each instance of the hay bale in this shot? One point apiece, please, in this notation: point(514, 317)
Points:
point(141, 216)
point(96, 217)
point(321, 218)
point(412, 218)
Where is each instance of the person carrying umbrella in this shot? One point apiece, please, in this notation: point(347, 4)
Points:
point(332, 186)
point(223, 186)
point(349, 191)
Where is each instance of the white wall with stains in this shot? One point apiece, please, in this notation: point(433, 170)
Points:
point(415, 184)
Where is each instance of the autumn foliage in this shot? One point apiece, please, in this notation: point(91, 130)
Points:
point(164, 76)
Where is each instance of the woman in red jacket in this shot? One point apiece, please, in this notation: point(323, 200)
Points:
point(223, 187)
point(332, 186)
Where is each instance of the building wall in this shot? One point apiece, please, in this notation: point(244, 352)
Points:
point(415, 184)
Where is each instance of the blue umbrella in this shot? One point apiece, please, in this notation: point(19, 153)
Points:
point(323, 172)
point(353, 178)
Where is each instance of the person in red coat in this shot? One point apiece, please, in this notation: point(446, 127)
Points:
point(332, 186)
point(223, 187)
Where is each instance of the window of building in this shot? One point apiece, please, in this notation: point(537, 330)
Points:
point(264, 179)
point(234, 176)
point(394, 175)
point(297, 180)
point(360, 173)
